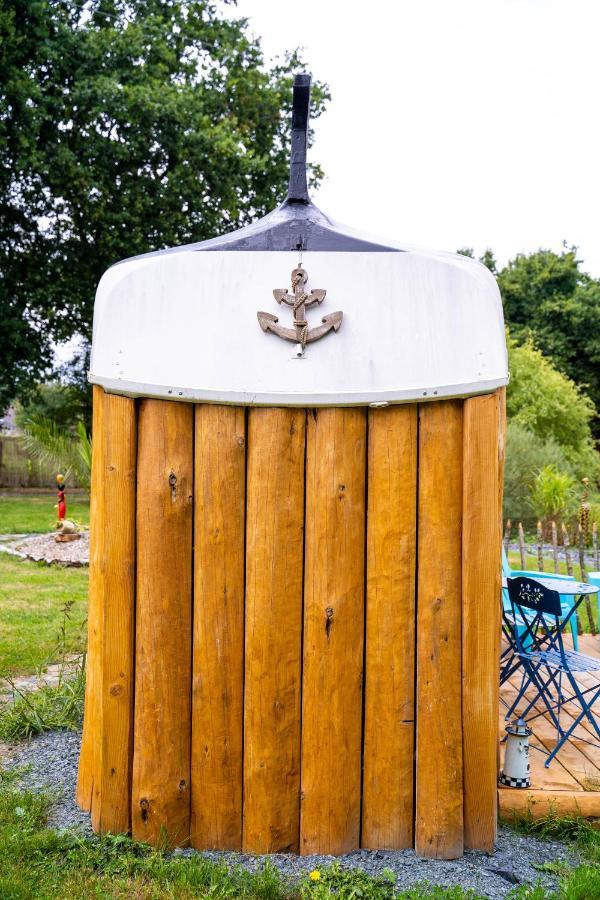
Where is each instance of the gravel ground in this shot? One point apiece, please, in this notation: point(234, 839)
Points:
point(43, 547)
point(52, 759)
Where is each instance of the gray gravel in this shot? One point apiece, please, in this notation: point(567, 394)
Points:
point(44, 548)
point(52, 759)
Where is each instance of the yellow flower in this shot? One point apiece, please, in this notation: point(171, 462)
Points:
point(315, 875)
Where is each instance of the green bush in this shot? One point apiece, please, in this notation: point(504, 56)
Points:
point(50, 707)
point(552, 493)
point(526, 455)
point(548, 404)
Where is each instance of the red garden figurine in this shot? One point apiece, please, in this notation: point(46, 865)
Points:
point(62, 503)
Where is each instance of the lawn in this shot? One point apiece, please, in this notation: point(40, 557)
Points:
point(531, 562)
point(32, 599)
point(23, 512)
point(36, 862)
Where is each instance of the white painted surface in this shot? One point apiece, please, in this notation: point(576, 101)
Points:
point(183, 325)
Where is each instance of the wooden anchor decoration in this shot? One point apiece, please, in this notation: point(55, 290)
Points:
point(299, 299)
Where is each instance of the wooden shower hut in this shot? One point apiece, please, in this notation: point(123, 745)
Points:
point(295, 542)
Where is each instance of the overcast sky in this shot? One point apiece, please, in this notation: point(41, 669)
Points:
point(454, 122)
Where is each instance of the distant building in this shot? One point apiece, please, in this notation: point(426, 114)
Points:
point(8, 424)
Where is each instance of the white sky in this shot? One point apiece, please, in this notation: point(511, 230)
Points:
point(454, 122)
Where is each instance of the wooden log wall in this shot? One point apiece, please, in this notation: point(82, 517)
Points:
point(294, 626)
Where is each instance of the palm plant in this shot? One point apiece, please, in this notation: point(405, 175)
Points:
point(552, 493)
point(58, 448)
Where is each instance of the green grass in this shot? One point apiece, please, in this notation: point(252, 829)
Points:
point(26, 512)
point(37, 863)
point(48, 708)
point(531, 562)
point(32, 597)
point(578, 882)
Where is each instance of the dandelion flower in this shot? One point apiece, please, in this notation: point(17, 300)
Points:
point(315, 875)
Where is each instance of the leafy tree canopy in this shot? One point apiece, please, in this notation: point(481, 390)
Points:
point(124, 127)
point(62, 404)
point(547, 297)
point(546, 402)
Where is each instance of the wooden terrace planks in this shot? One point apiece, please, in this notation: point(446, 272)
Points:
point(569, 786)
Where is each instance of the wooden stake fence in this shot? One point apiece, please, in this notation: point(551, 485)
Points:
point(507, 535)
point(540, 547)
point(555, 547)
point(522, 546)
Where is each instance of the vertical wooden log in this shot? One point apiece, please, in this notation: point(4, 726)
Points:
point(522, 550)
point(567, 545)
point(501, 395)
point(507, 531)
point(555, 547)
point(481, 587)
point(218, 655)
point(118, 600)
point(274, 560)
point(581, 550)
point(91, 741)
point(162, 728)
point(387, 811)
point(584, 577)
point(595, 546)
point(333, 631)
point(540, 546)
point(439, 763)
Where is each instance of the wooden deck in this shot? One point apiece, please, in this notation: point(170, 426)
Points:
point(571, 784)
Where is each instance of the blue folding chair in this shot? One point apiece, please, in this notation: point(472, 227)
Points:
point(546, 664)
point(566, 600)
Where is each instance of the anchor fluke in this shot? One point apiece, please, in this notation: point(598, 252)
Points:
point(334, 320)
point(265, 320)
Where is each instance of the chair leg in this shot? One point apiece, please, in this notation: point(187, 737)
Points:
point(574, 633)
point(525, 679)
point(585, 711)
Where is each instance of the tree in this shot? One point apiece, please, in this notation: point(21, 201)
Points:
point(487, 258)
point(547, 297)
point(546, 402)
point(124, 127)
point(59, 403)
point(548, 431)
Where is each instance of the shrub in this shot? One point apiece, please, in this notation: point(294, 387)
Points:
point(552, 493)
point(547, 403)
point(526, 455)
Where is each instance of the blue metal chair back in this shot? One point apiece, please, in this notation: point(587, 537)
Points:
point(540, 611)
point(566, 601)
